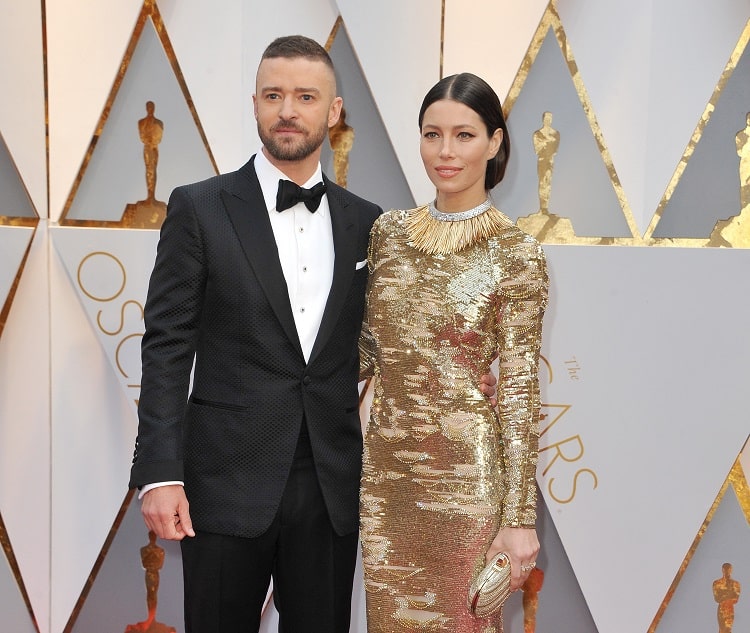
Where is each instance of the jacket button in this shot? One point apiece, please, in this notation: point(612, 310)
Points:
point(306, 380)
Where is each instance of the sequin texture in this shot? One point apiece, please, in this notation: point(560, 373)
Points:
point(442, 470)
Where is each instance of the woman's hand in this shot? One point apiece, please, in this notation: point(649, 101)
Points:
point(522, 546)
point(487, 385)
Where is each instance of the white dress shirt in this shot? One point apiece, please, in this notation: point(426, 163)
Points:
point(305, 244)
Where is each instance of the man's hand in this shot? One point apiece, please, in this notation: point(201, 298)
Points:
point(487, 387)
point(165, 511)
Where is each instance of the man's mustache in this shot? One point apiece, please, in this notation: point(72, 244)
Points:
point(286, 125)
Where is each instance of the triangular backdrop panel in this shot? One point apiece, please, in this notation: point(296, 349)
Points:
point(109, 270)
point(117, 594)
point(581, 189)
point(372, 159)
point(14, 243)
point(619, 387)
point(14, 199)
point(15, 612)
point(693, 606)
point(709, 187)
point(115, 174)
point(561, 606)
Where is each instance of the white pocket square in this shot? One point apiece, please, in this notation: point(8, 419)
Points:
point(361, 264)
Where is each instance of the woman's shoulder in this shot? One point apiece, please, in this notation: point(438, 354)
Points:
point(513, 238)
point(392, 221)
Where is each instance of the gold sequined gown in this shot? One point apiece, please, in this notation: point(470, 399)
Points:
point(442, 470)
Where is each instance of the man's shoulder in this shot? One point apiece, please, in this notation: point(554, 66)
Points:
point(217, 183)
point(213, 183)
point(349, 199)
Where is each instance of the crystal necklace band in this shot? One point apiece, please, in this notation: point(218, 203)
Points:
point(460, 215)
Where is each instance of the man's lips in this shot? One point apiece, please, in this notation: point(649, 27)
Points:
point(287, 130)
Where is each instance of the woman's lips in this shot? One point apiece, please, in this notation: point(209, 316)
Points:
point(447, 172)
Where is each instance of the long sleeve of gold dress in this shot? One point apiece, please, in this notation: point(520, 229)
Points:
point(443, 471)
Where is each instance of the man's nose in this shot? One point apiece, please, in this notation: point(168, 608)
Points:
point(288, 111)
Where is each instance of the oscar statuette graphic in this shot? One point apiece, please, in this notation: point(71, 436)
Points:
point(543, 225)
point(735, 231)
point(148, 213)
point(531, 589)
point(726, 594)
point(152, 559)
point(341, 137)
point(546, 141)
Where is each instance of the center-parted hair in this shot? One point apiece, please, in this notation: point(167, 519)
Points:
point(478, 95)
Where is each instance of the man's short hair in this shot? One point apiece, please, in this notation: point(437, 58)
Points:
point(292, 46)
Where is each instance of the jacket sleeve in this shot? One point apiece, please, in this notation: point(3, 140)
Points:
point(171, 314)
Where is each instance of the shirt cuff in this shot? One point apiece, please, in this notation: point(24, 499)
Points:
point(158, 484)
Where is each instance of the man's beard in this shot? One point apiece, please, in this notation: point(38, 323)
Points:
point(300, 150)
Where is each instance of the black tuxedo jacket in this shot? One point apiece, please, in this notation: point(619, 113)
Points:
point(217, 295)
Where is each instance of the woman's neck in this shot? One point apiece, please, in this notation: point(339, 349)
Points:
point(457, 203)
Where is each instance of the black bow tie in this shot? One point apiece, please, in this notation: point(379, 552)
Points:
point(291, 193)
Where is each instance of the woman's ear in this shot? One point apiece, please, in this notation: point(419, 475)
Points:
point(496, 141)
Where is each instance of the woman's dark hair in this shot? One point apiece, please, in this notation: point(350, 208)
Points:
point(477, 94)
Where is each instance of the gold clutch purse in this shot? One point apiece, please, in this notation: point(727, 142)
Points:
point(491, 587)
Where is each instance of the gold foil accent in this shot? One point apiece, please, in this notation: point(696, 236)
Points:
point(726, 594)
point(149, 11)
point(152, 559)
point(531, 588)
point(341, 137)
point(46, 98)
point(546, 140)
point(543, 225)
point(11, 220)
point(554, 229)
point(99, 562)
point(5, 311)
point(442, 38)
point(334, 32)
point(694, 139)
point(737, 480)
point(13, 563)
point(148, 213)
point(735, 231)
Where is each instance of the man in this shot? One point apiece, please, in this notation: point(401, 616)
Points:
point(269, 303)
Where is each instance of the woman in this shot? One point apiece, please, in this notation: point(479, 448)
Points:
point(448, 481)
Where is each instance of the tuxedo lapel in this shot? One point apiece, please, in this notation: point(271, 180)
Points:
point(247, 211)
point(344, 226)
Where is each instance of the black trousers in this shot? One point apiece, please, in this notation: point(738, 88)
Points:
point(226, 577)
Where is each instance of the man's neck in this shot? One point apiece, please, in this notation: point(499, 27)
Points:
point(299, 171)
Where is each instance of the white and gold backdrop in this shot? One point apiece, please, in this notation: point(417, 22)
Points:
point(631, 163)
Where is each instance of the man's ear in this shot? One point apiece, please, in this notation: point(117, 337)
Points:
point(335, 111)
